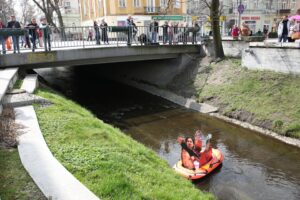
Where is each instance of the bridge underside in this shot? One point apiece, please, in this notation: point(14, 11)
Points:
point(72, 57)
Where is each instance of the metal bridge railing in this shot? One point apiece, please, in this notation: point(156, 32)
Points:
point(90, 36)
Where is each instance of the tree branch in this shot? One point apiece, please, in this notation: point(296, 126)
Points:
point(207, 4)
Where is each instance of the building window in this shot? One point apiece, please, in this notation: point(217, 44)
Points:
point(122, 3)
point(284, 5)
point(93, 11)
point(293, 4)
point(84, 8)
point(151, 3)
point(245, 4)
point(255, 4)
point(163, 3)
point(99, 5)
point(177, 3)
point(268, 4)
point(137, 3)
point(67, 5)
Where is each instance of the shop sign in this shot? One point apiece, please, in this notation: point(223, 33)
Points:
point(167, 17)
point(251, 18)
point(222, 18)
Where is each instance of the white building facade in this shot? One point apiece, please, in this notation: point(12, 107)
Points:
point(258, 13)
point(70, 13)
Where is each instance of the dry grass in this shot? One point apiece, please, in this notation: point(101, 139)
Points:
point(9, 130)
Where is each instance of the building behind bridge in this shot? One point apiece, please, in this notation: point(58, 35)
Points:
point(258, 13)
point(116, 12)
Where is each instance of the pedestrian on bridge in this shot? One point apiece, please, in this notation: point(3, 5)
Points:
point(33, 27)
point(97, 33)
point(129, 24)
point(165, 28)
point(154, 31)
point(90, 35)
point(13, 24)
point(283, 29)
point(196, 29)
point(46, 31)
point(103, 27)
point(2, 38)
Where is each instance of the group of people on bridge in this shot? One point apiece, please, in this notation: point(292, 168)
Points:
point(42, 34)
point(172, 32)
point(31, 34)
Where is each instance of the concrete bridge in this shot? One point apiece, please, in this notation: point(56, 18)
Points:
point(91, 55)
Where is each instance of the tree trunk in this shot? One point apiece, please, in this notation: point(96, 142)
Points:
point(55, 7)
point(217, 40)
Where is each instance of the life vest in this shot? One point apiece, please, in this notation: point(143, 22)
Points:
point(205, 156)
point(186, 159)
point(198, 144)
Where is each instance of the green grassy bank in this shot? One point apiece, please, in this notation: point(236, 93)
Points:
point(15, 183)
point(263, 98)
point(108, 162)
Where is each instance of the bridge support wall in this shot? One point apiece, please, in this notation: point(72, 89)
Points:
point(232, 48)
point(274, 57)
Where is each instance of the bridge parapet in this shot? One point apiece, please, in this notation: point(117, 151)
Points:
point(88, 56)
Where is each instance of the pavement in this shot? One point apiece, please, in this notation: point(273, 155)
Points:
point(47, 172)
point(7, 78)
point(50, 176)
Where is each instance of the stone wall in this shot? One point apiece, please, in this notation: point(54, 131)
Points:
point(279, 57)
point(232, 48)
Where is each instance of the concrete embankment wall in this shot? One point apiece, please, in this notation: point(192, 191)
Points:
point(276, 57)
point(279, 57)
point(232, 48)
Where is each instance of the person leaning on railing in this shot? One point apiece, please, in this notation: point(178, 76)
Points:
point(196, 29)
point(129, 24)
point(103, 27)
point(33, 26)
point(2, 37)
point(46, 34)
point(97, 33)
point(165, 28)
point(13, 24)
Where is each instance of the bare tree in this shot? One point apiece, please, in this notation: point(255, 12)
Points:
point(49, 7)
point(214, 8)
point(27, 11)
point(6, 9)
point(214, 13)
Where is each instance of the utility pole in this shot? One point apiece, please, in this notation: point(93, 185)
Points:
point(239, 22)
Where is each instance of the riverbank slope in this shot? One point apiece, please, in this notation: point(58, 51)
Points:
point(109, 163)
point(262, 98)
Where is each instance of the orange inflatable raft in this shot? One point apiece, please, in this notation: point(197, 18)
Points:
point(217, 159)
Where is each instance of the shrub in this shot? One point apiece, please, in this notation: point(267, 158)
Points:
point(273, 35)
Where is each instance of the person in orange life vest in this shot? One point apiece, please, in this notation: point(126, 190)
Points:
point(206, 155)
point(195, 152)
point(198, 140)
point(190, 149)
point(186, 155)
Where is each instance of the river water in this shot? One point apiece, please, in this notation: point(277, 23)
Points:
point(255, 166)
